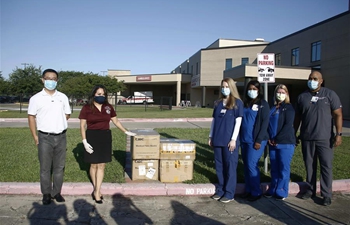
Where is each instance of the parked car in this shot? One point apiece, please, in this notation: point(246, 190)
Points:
point(80, 101)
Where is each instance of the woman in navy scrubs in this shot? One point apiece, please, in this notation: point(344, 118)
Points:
point(223, 138)
point(281, 143)
point(254, 138)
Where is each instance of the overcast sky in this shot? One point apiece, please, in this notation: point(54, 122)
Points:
point(144, 36)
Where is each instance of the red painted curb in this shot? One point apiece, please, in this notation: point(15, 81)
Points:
point(152, 189)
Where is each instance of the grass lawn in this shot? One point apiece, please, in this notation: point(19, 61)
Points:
point(19, 160)
point(128, 111)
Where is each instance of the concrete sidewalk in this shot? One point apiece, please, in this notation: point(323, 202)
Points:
point(173, 210)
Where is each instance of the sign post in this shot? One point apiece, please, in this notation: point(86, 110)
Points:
point(266, 74)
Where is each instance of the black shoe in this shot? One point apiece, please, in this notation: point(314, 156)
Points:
point(245, 195)
point(46, 199)
point(267, 195)
point(327, 201)
point(215, 197)
point(93, 196)
point(58, 197)
point(253, 198)
point(280, 198)
point(307, 195)
point(225, 200)
point(97, 201)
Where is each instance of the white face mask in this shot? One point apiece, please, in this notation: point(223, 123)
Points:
point(225, 91)
point(280, 97)
point(252, 94)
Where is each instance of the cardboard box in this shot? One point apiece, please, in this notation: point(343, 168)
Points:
point(145, 145)
point(171, 148)
point(145, 169)
point(175, 170)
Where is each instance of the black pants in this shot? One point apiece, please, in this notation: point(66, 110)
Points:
point(321, 150)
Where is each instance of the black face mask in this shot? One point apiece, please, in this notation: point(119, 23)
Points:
point(100, 99)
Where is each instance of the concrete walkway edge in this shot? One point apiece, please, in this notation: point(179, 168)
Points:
point(152, 189)
point(124, 120)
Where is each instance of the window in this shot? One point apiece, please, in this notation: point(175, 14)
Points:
point(278, 59)
point(316, 51)
point(228, 64)
point(244, 61)
point(197, 68)
point(191, 69)
point(295, 56)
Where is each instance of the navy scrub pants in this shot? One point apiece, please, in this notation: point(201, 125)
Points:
point(226, 171)
point(280, 159)
point(251, 158)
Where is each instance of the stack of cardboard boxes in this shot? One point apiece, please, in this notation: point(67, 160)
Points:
point(176, 160)
point(169, 160)
point(145, 155)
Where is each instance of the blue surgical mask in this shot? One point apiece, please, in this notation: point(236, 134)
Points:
point(100, 99)
point(252, 94)
point(312, 84)
point(50, 84)
point(225, 91)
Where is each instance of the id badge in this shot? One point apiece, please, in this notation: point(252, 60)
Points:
point(314, 99)
point(223, 111)
point(255, 107)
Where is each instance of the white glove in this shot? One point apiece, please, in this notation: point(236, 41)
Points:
point(130, 133)
point(87, 146)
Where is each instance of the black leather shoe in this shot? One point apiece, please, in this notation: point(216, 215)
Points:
point(58, 197)
point(245, 195)
point(46, 199)
point(94, 198)
point(327, 201)
point(307, 195)
point(253, 198)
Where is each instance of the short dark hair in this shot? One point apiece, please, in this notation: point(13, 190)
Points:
point(50, 71)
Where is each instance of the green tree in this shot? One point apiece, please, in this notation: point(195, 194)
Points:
point(26, 81)
point(80, 86)
point(4, 85)
point(63, 76)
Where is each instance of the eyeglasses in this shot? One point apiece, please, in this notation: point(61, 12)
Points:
point(50, 78)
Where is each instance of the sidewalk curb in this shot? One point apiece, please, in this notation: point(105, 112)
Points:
point(76, 120)
point(152, 189)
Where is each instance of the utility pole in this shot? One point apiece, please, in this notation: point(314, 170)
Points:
point(25, 65)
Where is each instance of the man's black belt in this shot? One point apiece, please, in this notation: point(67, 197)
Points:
point(53, 134)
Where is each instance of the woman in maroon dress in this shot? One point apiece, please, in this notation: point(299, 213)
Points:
point(96, 134)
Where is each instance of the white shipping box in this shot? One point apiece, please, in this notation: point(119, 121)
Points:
point(171, 148)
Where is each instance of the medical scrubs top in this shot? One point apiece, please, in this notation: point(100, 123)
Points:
point(316, 113)
point(224, 122)
point(274, 115)
point(248, 122)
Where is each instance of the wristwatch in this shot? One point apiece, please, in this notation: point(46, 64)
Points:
point(339, 134)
